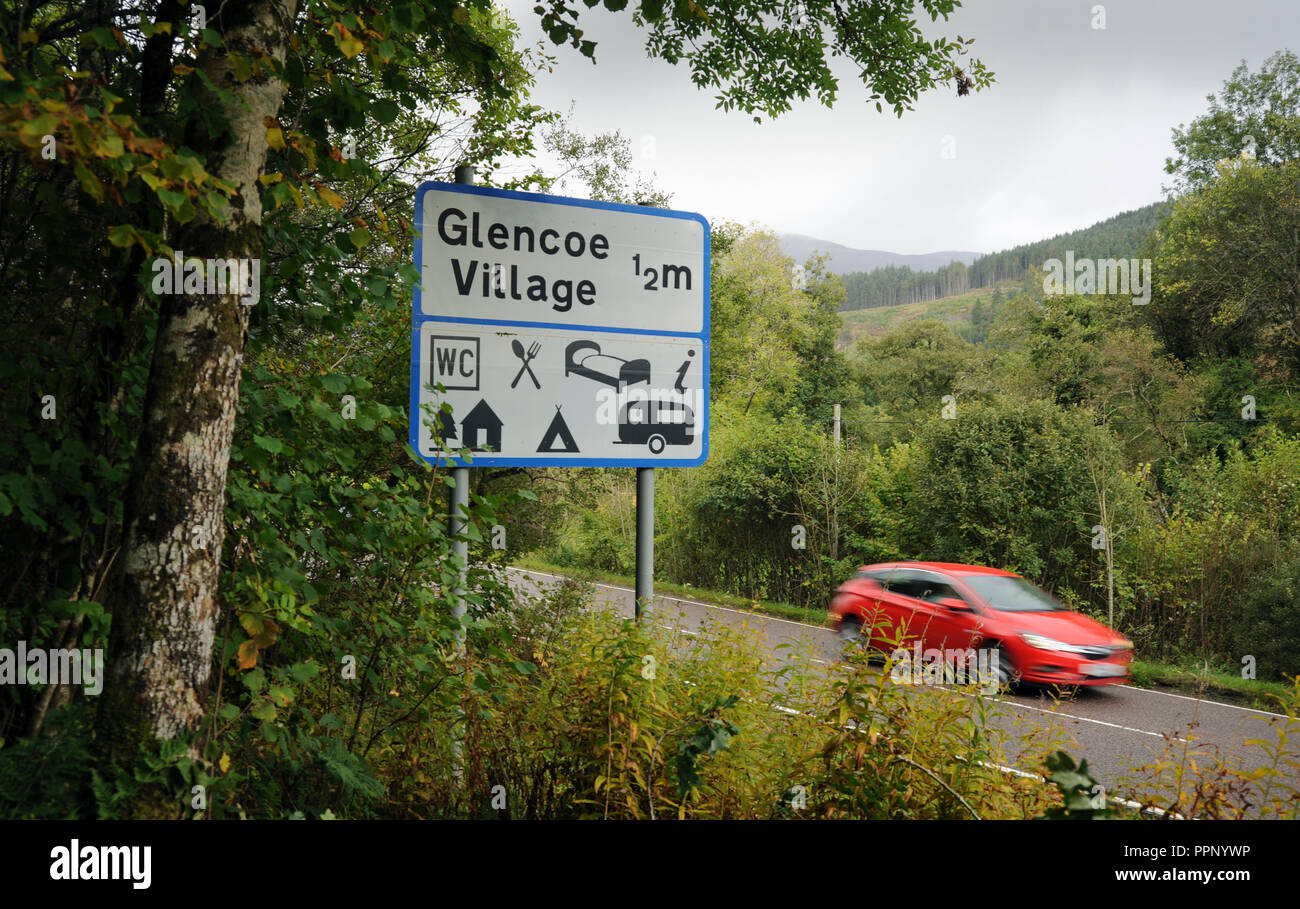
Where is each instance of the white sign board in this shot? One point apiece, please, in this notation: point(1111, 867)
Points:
point(558, 331)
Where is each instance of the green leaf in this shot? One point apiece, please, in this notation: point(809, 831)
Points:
point(350, 46)
point(268, 443)
point(122, 235)
point(104, 37)
point(304, 672)
point(89, 182)
point(35, 129)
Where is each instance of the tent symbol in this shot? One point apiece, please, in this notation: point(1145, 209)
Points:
point(558, 430)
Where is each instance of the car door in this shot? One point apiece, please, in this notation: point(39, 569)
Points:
point(897, 608)
point(946, 626)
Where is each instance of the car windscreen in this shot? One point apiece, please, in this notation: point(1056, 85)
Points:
point(1008, 594)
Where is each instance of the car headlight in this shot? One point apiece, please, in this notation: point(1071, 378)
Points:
point(1042, 642)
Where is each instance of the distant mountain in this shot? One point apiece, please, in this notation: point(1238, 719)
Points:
point(1121, 236)
point(845, 259)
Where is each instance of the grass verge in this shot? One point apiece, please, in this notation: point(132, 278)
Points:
point(1219, 686)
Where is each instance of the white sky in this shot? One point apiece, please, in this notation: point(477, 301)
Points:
point(1075, 129)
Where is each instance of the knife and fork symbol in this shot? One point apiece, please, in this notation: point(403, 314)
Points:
point(526, 357)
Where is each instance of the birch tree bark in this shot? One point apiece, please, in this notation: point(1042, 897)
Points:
point(159, 656)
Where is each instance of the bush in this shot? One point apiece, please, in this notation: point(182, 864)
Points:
point(1014, 485)
point(1269, 629)
point(622, 720)
point(773, 514)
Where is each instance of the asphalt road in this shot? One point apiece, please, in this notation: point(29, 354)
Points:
point(1113, 726)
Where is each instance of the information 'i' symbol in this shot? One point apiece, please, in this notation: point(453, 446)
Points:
point(681, 372)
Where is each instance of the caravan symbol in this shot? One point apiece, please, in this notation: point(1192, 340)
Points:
point(656, 423)
point(643, 418)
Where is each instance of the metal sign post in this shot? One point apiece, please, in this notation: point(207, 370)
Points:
point(456, 525)
point(460, 493)
point(645, 537)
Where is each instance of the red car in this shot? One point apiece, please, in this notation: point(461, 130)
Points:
point(954, 607)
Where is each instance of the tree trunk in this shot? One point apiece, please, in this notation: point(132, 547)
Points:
point(159, 656)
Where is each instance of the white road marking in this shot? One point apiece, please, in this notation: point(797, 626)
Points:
point(1084, 719)
point(1184, 697)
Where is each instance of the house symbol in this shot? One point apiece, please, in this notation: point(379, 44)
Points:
point(481, 418)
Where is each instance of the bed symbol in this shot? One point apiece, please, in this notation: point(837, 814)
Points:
point(583, 357)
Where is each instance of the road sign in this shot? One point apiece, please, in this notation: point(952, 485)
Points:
point(561, 331)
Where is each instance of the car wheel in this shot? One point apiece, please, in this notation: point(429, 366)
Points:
point(1008, 677)
point(850, 629)
point(657, 443)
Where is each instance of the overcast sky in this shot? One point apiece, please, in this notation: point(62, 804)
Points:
point(1075, 129)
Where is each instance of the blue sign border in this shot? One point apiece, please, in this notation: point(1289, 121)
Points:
point(418, 319)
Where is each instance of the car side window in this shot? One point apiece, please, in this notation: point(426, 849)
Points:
point(906, 583)
point(921, 585)
point(890, 580)
point(912, 587)
point(941, 591)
